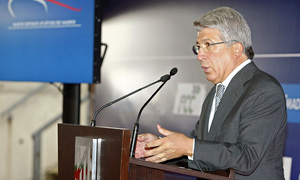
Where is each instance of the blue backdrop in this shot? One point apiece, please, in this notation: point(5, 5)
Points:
point(47, 40)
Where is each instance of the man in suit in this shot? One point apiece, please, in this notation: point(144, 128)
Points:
point(243, 120)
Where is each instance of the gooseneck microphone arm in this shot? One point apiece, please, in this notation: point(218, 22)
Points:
point(164, 79)
point(93, 123)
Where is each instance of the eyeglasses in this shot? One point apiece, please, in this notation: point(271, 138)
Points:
point(206, 46)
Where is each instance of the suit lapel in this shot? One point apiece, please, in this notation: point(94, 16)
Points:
point(205, 112)
point(232, 94)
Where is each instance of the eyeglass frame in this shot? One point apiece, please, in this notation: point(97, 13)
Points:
point(196, 48)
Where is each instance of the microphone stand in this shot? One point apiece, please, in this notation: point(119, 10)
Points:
point(164, 79)
point(136, 125)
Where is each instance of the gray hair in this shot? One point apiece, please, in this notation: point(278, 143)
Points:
point(231, 24)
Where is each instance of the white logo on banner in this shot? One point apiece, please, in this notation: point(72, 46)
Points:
point(189, 99)
point(292, 103)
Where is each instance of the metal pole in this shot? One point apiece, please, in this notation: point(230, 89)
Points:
point(37, 156)
point(71, 104)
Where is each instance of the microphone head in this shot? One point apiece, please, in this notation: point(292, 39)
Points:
point(165, 78)
point(173, 71)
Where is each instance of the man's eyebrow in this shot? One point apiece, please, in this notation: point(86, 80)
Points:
point(204, 40)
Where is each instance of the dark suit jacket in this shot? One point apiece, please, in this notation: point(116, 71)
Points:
point(248, 130)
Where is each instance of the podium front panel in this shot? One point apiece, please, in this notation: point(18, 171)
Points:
point(114, 150)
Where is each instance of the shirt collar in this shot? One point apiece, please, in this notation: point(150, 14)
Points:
point(234, 72)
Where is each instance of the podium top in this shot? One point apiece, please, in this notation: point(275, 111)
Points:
point(216, 175)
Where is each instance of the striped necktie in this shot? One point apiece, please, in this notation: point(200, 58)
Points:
point(219, 94)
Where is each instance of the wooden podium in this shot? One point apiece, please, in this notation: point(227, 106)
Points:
point(114, 150)
point(115, 159)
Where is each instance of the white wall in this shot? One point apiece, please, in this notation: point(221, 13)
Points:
point(16, 142)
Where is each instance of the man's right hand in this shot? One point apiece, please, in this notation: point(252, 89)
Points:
point(141, 142)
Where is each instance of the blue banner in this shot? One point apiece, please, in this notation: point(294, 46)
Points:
point(292, 95)
point(47, 40)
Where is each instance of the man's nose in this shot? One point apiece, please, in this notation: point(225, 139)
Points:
point(200, 54)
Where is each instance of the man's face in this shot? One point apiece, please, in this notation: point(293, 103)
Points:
point(218, 62)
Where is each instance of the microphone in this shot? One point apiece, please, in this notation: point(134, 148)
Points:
point(136, 125)
point(164, 79)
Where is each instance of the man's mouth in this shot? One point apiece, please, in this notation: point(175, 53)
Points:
point(205, 69)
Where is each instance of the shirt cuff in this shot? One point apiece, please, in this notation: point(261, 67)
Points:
point(191, 157)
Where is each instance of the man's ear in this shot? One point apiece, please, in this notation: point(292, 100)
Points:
point(238, 50)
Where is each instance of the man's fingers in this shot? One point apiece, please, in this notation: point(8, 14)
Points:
point(157, 159)
point(157, 152)
point(154, 144)
point(158, 156)
point(164, 131)
point(141, 137)
point(147, 137)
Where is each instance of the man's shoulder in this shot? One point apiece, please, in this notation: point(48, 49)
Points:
point(259, 77)
point(264, 79)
